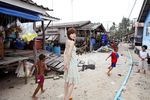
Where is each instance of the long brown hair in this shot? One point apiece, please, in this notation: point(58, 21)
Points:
point(71, 31)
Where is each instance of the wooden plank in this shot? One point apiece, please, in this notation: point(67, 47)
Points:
point(9, 65)
point(60, 65)
point(54, 60)
point(60, 59)
point(18, 53)
point(51, 60)
point(55, 64)
point(61, 69)
point(9, 60)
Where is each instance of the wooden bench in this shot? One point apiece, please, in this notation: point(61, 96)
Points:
point(9, 62)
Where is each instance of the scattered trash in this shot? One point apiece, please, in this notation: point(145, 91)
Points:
point(61, 76)
point(56, 78)
point(85, 95)
point(137, 84)
point(11, 87)
point(75, 87)
point(119, 75)
point(81, 63)
point(20, 69)
point(49, 77)
point(90, 66)
point(104, 49)
point(124, 89)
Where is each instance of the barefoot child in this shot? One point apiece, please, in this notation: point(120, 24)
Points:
point(114, 57)
point(143, 55)
point(41, 67)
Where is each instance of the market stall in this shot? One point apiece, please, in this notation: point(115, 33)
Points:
point(17, 36)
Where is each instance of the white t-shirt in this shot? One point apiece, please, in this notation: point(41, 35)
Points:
point(143, 54)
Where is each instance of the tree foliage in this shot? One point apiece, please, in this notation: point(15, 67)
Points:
point(122, 29)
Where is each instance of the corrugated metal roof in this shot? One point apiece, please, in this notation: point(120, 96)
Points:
point(39, 9)
point(35, 4)
point(46, 16)
point(71, 24)
point(93, 26)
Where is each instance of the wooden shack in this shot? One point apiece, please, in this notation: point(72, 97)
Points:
point(26, 11)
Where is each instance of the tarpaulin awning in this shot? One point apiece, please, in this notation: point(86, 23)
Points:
point(20, 14)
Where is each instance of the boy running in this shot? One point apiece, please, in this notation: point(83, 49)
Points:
point(41, 67)
point(114, 57)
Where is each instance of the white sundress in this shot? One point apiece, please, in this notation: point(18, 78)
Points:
point(72, 75)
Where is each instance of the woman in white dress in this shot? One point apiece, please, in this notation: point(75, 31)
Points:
point(71, 74)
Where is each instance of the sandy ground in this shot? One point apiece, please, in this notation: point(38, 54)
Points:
point(94, 84)
point(138, 87)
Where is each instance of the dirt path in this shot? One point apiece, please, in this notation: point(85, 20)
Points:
point(138, 87)
point(94, 84)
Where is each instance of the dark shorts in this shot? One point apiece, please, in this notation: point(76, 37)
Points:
point(113, 65)
point(40, 79)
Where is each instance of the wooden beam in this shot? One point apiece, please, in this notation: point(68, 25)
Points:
point(48, 24)
point(34, 45)
point(43, 35)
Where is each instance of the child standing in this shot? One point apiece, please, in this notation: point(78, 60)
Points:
point(114, 57)
point(143, 55)
point(41, 67)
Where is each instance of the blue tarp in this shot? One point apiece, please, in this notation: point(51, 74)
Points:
point(20, 14)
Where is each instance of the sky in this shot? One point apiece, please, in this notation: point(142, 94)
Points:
point(103, 11)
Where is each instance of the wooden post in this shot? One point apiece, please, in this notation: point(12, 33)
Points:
point(43, 29)
point(35, 50)
point(34, 26)
point(90, 41)
point(35, 57)
point(25, 71)
point(1, 48)
point(47, 25)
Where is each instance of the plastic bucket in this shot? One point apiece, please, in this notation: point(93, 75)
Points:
point(57, 50)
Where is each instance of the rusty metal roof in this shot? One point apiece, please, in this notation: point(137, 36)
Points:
point(93, 26)
point(35, 4)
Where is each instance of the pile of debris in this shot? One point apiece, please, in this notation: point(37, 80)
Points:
point(104, 49)
point(90, 64)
